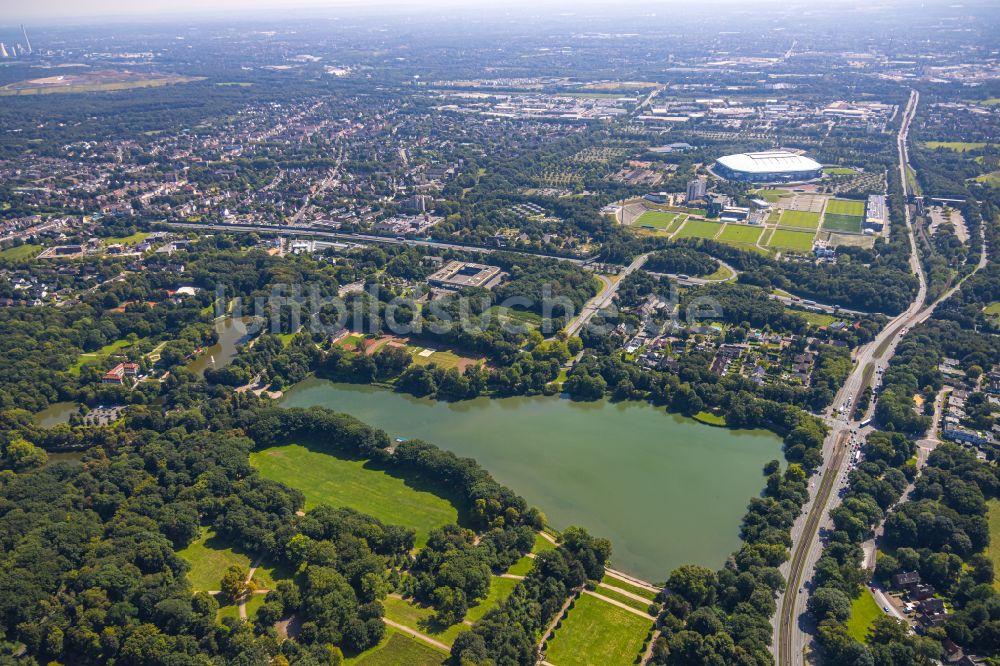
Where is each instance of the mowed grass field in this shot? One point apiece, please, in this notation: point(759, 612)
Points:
point(864, 612)
point(840, 222)
point(993, 550)
point(398, 648)
point(799, 241)
point(209, 556)
point(740, 234)
point(800, 219)
point(845, 207)
point(656, 219)
point(19, 252)
point(326, 479)
point(957, 146)
point(595, 632)
point(699, 229)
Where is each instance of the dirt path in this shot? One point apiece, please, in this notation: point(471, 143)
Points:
point(243, 601)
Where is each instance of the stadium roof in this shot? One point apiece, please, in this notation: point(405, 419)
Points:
point(771, 161)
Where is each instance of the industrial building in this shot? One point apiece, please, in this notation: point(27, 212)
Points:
point(773, 166)
point(875, 214)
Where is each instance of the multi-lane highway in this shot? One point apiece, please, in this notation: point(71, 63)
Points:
point(790, 638)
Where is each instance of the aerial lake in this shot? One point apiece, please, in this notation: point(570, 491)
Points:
point(665, 490)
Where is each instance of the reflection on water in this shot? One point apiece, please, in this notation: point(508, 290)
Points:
point(57, 412)
point(665, 489)
point(232, 334)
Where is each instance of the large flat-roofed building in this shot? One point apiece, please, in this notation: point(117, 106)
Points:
point(875, 215)
point(773, 166)
point(459, 275)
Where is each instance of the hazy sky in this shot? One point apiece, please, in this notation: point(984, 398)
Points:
point(14, 11)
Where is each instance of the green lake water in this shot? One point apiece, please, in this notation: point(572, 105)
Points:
point(665, 490)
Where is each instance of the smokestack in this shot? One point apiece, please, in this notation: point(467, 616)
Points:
point(27, 42)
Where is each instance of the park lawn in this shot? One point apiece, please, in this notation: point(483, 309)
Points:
point(799, 218)
point(20, 252)
point(800, 241)
point(500, 589)
point(699, 229)
point(99, 355)
point(628, 587)
point(542, 544)
point(209, 556)
point(420, 618)
point(957, 146)
point(595, 632)
point(839, 222)
point(709, 418)
point(656, 219)
point(515, 315)
point(442, 359)
point(133, 239)
point(993, 550)
point(845, 207)
point(740, 234)
point(992, 308)
point(326, 479)
point(253, 605)
point(992, 179)
point(720, 273)
point(623, 598)
point(522, 567)
point(398, 648)
point(815, 318)
point(864, 612)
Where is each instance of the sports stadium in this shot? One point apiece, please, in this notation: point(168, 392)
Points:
point(773, 166)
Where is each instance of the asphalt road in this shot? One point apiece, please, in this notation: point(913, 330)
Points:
point(604, 297)
point(791, 639)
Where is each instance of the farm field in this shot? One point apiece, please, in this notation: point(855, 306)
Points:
point(326, 479)
point(845, 207)
point(595, 632)
point(699, 229)
point(398, 648)
point(841, 222)
point(800, 241)
point(656, 219)
point(92, 82)
point(740, 234)
point(864, 612)
point(800, 219)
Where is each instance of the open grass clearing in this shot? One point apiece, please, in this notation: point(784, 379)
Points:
point(232, 610)
point(209, 556)
point(864, 612)
point(992, 308)
point(993, 550)
point(99, 355)
point(397, 648)
point(771, 194)
point(595, 632)
point(799, 241)
point(845, 207)
point(20, 252)
point(515, 315)
point(623, 599)
point(721, 273)
point(844, 223)
point(957, 146)
point(359, 484)
point(699, 229)
point(628, 587)
point(815, 318)
point(799, 219)
point(133, 239)
point(500, 589)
